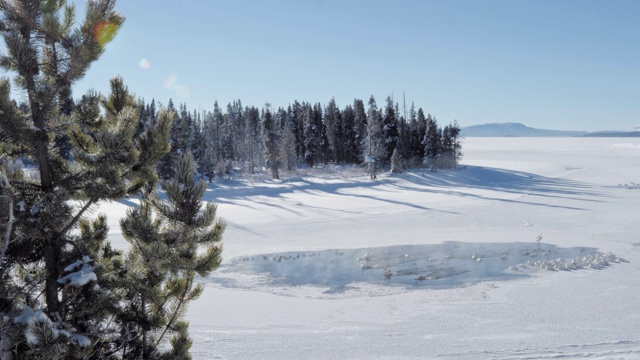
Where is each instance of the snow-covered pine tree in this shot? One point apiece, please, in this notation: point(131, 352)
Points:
point(404, 138)
point(389, 129)
point(210, 156)
point(171, 240)
point(288, 141)
point(360, 128)
point(418, 128)
point(396, 162)
point(450, 145)
point(311, 135)
point(252, 138)
point(332, 131)
point(296, 118)
point(349, 141)
point(270, 134)
point(432, 143)
point(237, 129)
point(197, 148)
point(324, 153)
point(374, 148)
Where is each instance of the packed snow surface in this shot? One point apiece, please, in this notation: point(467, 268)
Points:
point(530, 250)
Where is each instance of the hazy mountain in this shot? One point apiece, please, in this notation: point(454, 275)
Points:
point(614, 134)
point(514, 129)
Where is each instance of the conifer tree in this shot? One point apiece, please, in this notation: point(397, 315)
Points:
point(288, 141)
point(166, 165)
point(360, 128)
point(396, 162)
point(271, 141)
point(348, 136)
point(312, 140)
point(166, 238)
point(432, 143)
point(390, 130)
point(252, 142)
point(450, 146)
point(332, 131)
point(374, 149)
point(418, 128)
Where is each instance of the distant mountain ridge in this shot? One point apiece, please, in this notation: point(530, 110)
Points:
point(521, 130)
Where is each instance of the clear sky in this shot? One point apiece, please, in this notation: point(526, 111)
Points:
point(558, 64)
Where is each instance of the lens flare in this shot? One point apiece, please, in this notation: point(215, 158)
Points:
point(104, 32)
point(170, 82)
point(144, 64)
point(183, 91)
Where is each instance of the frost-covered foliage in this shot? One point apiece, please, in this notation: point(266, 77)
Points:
point(374, 147)
point(310, 134)
point(396, 162)
point(271, 140)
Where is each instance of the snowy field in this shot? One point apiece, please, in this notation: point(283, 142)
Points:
point(530, 251)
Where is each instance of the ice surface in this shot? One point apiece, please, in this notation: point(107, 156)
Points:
point(445, 265)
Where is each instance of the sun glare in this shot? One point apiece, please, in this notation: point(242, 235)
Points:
point(104, 32)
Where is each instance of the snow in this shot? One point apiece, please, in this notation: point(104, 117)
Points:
point(81, 340)
point(81, 277)
point(470, 286)
point(29, 317)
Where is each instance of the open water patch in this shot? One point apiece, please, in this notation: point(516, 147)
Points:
point(445, 265)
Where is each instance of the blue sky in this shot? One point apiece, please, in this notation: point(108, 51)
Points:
point(569, 64)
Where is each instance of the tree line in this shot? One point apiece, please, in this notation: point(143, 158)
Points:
point(306, 135)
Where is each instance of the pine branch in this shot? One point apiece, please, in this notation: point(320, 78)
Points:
point(7, 237)
point(182, 300)
point(76, 218)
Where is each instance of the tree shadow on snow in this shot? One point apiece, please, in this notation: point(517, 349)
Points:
point(248, 195)
point(461, 182)
point(509, 181)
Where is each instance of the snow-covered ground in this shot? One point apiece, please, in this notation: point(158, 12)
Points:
point(530, 251)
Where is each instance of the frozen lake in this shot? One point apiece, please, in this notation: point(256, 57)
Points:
point(315, 266)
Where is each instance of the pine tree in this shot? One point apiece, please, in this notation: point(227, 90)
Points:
point(288, 140)
point(418, 128)
point(374, 148)
point(165, 237)
point(450, 145)
point(348, 135)
point(432, 143)
point(312, 139)
point(390, 130)
point(210, 155)
point(197, 148)
point(360, 128)
point(396, 162)
point(332, 131)
point(237, 130)
point(252, 142)
point(296, 116)
point(270, 135)
point(166, 168)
